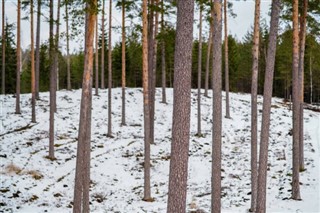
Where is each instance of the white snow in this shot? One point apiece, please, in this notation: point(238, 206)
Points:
point(116, 170)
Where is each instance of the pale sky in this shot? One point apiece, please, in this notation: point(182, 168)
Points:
point(238, 26)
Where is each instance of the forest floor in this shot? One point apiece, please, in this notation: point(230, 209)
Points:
point(32, 183)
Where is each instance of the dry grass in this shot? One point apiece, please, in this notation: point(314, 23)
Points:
point(12, 169)
point(35, 174)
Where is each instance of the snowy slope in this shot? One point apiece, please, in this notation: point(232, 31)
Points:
point(32, 183)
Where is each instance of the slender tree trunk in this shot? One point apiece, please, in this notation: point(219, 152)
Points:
point(56, 57)
point(150, 68)
point(3, 87)
point(163, 58)
point(199, 71)
point(52, 83)
point(38, 50)
point(155, 48)
point(254, 110)
point(181, 108)
point(310, 80)
point(82, 178)
point(216, 105)
point(102, 46)
point(18, 111)
point(123, 77)
point(303, 28)
point(206, 80)
point(267, 96)
point(97, 58)
point(146, 107)
point(109, 134)
point(33, 77)
point(296, 103)
point(226, 57)
point(68, 56)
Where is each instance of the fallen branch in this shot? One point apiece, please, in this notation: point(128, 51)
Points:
point(29, 126)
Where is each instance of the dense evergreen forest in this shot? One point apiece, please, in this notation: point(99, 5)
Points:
point(240, 58)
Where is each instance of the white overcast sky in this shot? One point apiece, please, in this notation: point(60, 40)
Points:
point(238, 26)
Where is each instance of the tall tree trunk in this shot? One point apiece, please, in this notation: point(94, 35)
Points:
point(155, 49)
point(68, 56)
point(146, 107)
point(102, 46)
point(310, 80)
point(52, 83)
point(163, 57)
point(303, 29)
point(56, 57)
point(226, 57)
point(267, 96)
point(254, 110)
point(181, 108)
point(199, 71)
point(109, 134)
point(123, 77)
point(150, 68)
point(33, 77)
point(82, 177)
point(38, 50)
point(206, 80)
point(216, 105)
point(96, 58)
point(296, 103)
point(18, 111)
point(3, 87)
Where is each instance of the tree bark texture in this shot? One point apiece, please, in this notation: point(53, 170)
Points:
point(82, 177)
point(163, 58)
point(18, 111)
point(150, 67)
point(226, 57)
point(206, 80)
point(68, 56)
point(267, 96)
point(96, 58)
point(33, 77)
point(146, 107)
point(38, 49)
point(3, 73)
point(303, 29)
point(181, 108)
point(217, 108)
point(52, 86)
point(123, 76)
point(109, 134)
point(296, 103)
point(56, 53)
point(254, 108)
point(199, 72)
point(102, 45)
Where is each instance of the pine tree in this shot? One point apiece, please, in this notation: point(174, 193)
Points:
point(18, 111)
point(296, 103)
point(267, 96)
point(82, 177)
point(181, 108)
point(109, 134)
point(146, 106)
point(216, 107)
point(123, 66)
point(226, 57)
point(33, 83)
point(38, 49)
point(254, 111)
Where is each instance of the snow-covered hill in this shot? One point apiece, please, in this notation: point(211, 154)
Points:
point(32, 183)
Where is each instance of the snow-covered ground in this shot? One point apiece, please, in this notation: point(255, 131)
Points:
point(32, 183)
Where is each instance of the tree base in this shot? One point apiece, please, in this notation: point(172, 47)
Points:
point(150, 199)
